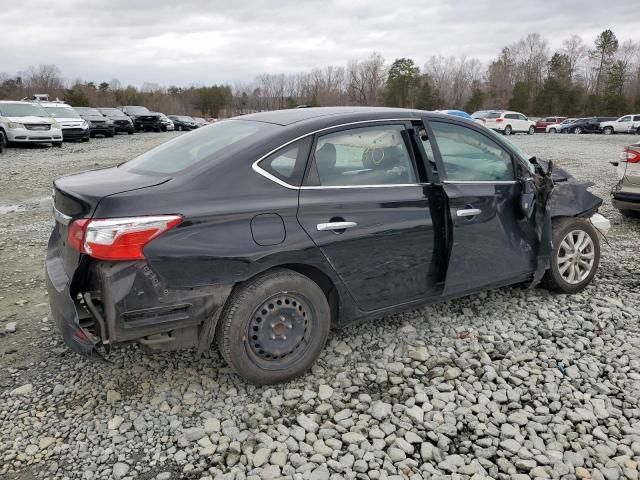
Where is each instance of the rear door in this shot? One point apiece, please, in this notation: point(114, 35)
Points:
point(490, 243)
point(367, 207)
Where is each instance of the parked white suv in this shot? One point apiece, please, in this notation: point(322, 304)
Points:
point(626, 124)
point(26, 122)
point(74, 127)
point(506, 121)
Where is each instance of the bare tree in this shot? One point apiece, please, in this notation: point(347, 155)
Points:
point(44, 79)
point(366, 80)
point(575, 50)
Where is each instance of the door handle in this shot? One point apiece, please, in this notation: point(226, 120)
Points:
point(335, 226)
point(468, 212)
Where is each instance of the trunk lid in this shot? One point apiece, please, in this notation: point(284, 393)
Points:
point(77, 196)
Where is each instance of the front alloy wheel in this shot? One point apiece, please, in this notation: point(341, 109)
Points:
point(274, 326)
point(575, 257)
point(507, 130)
point(532, 130)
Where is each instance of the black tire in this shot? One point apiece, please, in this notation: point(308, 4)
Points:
point(577, 130)
point(552, 130)
point(257, 349)
point(57, 144)
point(532, 130)
point(555, 277)
point(84, 140)
point(638, 131)
point(179, 128)
point(608, 130)
point(130, 132)
point(3, 140)
point(109, 135)
point(508, 130)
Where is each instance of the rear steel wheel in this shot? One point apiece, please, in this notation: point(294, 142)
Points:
point(274, 326)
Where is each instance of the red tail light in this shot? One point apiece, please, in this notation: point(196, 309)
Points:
point(118, 238)
point(498, 120)
point(632, 156)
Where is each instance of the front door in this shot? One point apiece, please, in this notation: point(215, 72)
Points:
point(365, 206)
point(623, 124)
point(490, 241)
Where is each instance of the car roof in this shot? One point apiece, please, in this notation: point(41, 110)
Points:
point(322, 115)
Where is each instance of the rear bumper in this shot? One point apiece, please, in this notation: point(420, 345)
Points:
point(63, 308)
point(126, 301)
point(626, 201)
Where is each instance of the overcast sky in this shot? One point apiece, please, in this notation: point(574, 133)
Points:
point(185, 42)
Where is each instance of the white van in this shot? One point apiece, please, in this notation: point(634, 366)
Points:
point(27, 122)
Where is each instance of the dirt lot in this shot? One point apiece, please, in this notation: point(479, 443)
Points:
point(500, 384)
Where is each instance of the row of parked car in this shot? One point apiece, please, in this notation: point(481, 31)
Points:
point(53, 122)
point(509, 122)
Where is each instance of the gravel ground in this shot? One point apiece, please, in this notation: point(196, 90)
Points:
point(509, 384)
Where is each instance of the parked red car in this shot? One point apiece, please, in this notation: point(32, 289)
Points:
point(541, 125)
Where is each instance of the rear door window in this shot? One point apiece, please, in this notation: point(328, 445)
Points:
point(471, 156)
point(369, 156)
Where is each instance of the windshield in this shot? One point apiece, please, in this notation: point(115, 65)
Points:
point(185, 118)
point(205, 144)
point(113, 113)
point(22, 110)
point(88, 111)
point(62, 112)
point(137, 110)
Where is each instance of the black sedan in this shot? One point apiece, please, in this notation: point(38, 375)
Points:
point(183, 122)
point(98, 123)
point(264, 231)
point(121, 121)
point(585, 125)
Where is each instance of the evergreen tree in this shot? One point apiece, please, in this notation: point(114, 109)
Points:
point(403, 77)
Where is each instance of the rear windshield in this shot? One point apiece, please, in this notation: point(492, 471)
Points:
point(62, 112)
point(203, 145)
point(22, 110)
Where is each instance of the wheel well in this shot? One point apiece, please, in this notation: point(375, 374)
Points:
point(323, 281)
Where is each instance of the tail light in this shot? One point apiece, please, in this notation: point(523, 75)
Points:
point(630, 155)
point(498, 120)
point(118, 238)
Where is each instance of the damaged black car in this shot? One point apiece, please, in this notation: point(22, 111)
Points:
point(261, 233)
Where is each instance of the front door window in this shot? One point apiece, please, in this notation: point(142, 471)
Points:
point(468, 155)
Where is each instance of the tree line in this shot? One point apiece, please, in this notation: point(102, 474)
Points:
point(602, 77)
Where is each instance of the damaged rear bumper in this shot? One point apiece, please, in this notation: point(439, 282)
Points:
point(103, 303)
point(63, 307)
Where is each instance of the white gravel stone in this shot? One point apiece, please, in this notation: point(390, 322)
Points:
point(26, 389)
